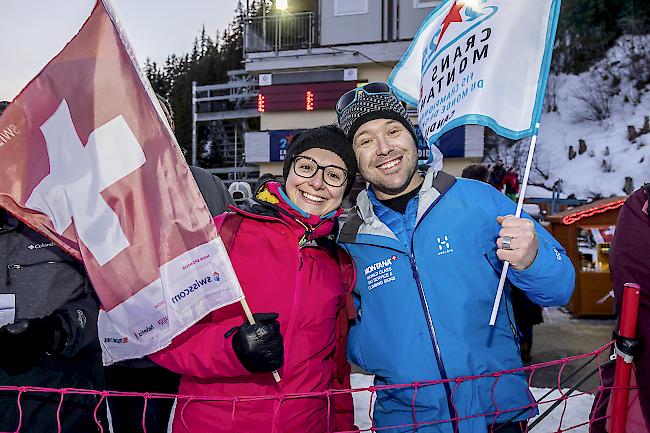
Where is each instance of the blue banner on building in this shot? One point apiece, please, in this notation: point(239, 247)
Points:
point(451, 144)
point(278, 142)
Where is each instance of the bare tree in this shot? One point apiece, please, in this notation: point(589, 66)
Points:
point(594, 102)
point(553, 86)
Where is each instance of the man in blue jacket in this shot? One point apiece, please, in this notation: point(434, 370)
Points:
point(429, 251)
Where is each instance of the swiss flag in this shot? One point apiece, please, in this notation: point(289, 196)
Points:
point(88, 159)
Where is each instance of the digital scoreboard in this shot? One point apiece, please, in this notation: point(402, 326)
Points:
point(302, 96)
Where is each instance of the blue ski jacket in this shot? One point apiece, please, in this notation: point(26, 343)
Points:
point(426, 283)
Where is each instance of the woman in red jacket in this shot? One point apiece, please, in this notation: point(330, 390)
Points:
point(283, 252)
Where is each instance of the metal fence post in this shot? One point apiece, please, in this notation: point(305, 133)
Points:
point(194, 122)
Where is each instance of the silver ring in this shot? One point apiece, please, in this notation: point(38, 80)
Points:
point(505, 243)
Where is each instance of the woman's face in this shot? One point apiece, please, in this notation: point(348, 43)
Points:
point(313, 195)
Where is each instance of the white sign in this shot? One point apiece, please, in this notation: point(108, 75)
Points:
point(265, 79)
point(484, 64)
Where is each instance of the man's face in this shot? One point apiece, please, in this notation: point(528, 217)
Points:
point(387, 157)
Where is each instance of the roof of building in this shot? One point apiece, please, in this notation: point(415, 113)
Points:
point(575, 214)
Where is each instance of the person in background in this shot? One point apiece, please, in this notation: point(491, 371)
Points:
point(429, 251)
point(497, 173)
point(477, 172)
point(629, 262)
point(48, 333)
point(511, 183)
point(284, 255)
point(241, 192)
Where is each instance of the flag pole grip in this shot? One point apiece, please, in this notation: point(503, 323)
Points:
point(520, 204)
point(251, 321)
point(623, 372)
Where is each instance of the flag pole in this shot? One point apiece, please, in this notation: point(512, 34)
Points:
point(242, 301)
point(520, 204)
point(251, 321)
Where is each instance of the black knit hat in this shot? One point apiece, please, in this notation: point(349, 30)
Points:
point(328, 137)
point(367, 107)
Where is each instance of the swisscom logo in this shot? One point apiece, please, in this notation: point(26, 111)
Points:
point(196, 286)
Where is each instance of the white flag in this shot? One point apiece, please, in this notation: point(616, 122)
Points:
point(479, 62)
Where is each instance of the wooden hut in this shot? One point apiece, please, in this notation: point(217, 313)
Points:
point(586, 232)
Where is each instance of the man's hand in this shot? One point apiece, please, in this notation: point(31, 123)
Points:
point(517, 241)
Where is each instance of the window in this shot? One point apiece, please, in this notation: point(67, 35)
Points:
point(419, 4)
point(350, 7)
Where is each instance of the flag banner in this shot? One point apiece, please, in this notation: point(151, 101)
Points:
point(480, 62)
point(89, 160)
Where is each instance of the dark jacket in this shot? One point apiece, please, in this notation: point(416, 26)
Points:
point(44, 279)
point(630, 263)
point(213, 190)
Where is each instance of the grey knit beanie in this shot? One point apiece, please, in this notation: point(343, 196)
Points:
point(369, 107)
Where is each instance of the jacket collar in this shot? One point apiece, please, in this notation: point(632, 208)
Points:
point(271, 202)
point(363, 218)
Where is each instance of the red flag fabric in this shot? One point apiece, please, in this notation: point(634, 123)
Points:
point(88, 159)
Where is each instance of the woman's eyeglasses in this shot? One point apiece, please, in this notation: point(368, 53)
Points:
point(351, 95)
point(306, 167)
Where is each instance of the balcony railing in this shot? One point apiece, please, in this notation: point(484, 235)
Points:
point(279, 32)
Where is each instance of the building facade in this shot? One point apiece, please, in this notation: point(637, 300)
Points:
point(305, 57)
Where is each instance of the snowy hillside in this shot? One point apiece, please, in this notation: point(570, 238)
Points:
point(615, 91)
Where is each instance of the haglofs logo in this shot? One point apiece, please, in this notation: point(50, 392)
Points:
point(195, 286)
point(444, 247)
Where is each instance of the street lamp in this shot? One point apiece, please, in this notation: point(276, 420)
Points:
point(282, 5)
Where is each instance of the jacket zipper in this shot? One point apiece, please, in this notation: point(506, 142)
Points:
point(432, 331)
point(17, 266)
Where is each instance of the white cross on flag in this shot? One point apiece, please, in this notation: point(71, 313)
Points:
point(479, 62)
point(88, 159)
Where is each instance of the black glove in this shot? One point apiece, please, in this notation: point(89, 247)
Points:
point(259, 347)
point(25, 341)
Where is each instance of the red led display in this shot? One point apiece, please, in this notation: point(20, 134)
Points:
point(303, 96)
point(260, 103)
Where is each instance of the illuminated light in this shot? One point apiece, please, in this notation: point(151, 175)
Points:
point(309, 99)
point(282, 5)
point(577, 216)
point(260, 103)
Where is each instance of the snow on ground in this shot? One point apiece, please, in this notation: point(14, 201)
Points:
point(576, 411)
point(584, 176)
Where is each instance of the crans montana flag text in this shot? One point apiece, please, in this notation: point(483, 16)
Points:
point(479, 62)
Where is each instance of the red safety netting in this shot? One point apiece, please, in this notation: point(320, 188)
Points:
point(576, 377)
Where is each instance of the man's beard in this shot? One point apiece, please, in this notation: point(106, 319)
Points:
point(385, 189)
